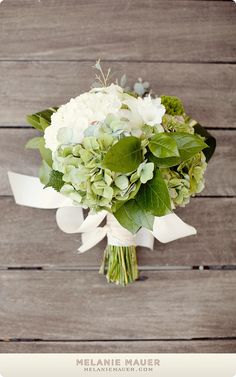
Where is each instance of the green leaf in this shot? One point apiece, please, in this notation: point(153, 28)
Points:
point(46, 154)
point(34, 143)
point(154, 196)
point(44, 173)
point(42, 119)
point(39, 143)
point(162, 146)
point(55, 180)
point(163, 162)
point(188, 144)
point(125, 156)
point(209, 139)
point(132, 216)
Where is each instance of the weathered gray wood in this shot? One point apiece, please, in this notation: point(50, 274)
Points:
point(207, 90)
point(220, 176)
point(30, 237)
point(81, 305)
point(150, 346)
point(13, 156)
point(153, 30)
point(64, 301)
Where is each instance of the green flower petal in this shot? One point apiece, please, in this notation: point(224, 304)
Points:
point(122, 182)
point(145, 171)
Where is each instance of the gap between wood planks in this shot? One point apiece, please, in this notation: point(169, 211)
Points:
point(232, 62)
point(227, 267)
point(38, 340)
point(32, 128)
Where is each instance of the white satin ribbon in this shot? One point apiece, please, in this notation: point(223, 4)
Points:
point(170, 227)
point(69, 219)
point(29, 191)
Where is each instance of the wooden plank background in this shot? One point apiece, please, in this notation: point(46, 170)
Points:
point(208, 90)
point(48, 293)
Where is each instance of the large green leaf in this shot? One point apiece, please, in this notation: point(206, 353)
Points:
point(162, 146)
point(188, 144)
point(209, 139)
point(125, 156)
point(39, 143)
point(154, 196)
point(44, 173)
point(132, 216)
point(163, 162)
point(42, 119)
point(55, 180)
point(34, 143)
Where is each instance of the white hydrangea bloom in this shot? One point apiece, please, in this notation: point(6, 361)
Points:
point(71, 120)
point(80, 112)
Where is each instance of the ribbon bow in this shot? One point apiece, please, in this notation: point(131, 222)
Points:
point(29, 191)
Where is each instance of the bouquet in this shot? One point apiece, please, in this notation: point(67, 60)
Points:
point(126, 155)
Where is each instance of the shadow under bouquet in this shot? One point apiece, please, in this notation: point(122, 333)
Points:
point(127, 156)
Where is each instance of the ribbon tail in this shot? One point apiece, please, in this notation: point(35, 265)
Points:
point(170, 227)
point(91, 239)
point(29, 191)
point(92, 221)
point(145, 238)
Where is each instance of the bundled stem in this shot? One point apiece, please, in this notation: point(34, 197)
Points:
point(120, 264)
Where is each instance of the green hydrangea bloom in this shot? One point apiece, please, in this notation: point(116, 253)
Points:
point(185, 181)
point(173, 105)
point(87, 182)
point(178, 123)
point(196, 169)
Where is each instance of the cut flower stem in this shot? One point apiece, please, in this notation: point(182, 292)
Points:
point(120, 264)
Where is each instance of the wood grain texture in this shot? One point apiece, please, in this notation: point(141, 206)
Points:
point(150, 346)
point(80, 305)
point(110, 29)
point(207, 90)
point(184, 48)
point(14, 157)
point(30, 237)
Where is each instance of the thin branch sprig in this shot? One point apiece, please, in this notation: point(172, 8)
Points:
point(103, 78)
